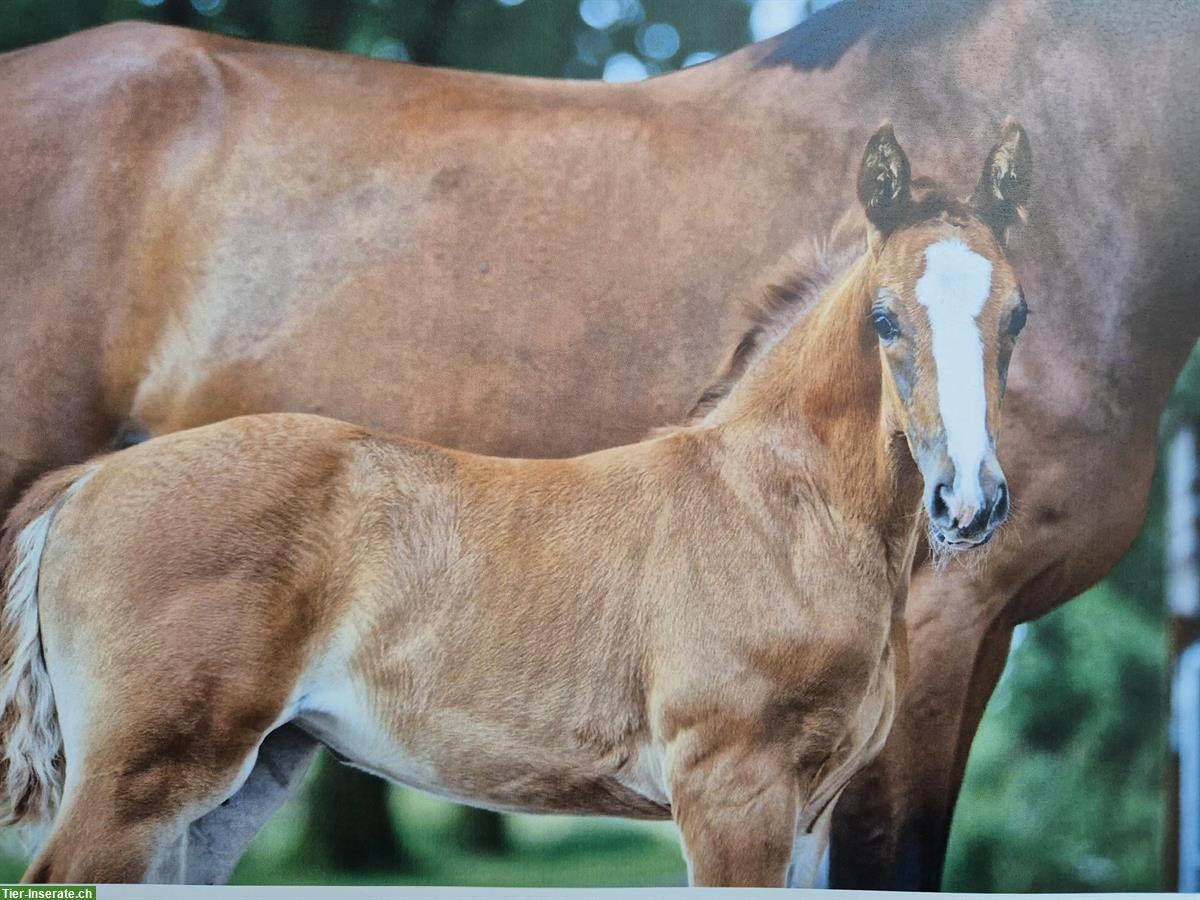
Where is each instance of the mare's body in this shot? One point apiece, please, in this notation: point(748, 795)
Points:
point(464, 258)
point(707, 625)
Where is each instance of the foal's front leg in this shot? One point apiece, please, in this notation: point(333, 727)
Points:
point(736, 807)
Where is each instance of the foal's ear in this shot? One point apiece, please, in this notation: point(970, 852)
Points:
point(884, 180)
point(1003, 189)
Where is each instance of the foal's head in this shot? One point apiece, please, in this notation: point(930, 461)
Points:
point(947, 307)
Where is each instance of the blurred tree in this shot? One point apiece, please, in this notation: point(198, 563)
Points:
point(481, 831)
point(1064, 787)
point(576, 38)
point(348, 826)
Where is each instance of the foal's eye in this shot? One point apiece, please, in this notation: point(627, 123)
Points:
point(1017, 322)
point(886, 325)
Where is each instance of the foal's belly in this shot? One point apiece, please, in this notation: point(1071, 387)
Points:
point(483, 760)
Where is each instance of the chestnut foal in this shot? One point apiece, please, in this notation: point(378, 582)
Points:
point(706, 625)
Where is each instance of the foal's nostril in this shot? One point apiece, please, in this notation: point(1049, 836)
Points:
point(989, 516)
point(977, 526)
point(1000, 507)
point(937, 507)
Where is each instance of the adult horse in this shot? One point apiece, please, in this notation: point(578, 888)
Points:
point(464, 258)
point(706, 625)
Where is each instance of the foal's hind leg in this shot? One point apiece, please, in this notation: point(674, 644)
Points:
point(137, 775)
point(90, 845)
point(209, 850)
point(125, 817)
point(125, 824)
point(217, 841)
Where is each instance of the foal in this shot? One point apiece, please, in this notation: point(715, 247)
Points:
point(706, 625)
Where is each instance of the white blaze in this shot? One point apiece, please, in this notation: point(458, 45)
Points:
point(956, 283)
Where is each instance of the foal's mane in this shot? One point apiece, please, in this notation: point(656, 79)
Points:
point(785, 293)
point(792, 286)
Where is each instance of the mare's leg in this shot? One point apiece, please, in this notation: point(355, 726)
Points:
point(891, 829)
point(893, 823)
point(46, 424)
point(217, 841)
point(170, 867)
point(52, 399)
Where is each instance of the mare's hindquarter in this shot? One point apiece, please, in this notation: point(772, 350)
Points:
point(606, 634)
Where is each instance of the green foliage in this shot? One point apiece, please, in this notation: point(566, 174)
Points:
point(1185, 401)
point(1064, 789)
point(345, 823)
point(530, 37)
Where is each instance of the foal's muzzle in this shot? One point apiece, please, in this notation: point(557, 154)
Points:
point(959, 524)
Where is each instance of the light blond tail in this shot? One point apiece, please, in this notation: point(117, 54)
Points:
point(31, 763)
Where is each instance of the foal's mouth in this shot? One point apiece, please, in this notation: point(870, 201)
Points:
point(958, 545)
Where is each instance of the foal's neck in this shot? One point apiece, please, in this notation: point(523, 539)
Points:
point(816, 401)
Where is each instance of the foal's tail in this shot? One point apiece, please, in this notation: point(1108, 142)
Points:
point(31, 760)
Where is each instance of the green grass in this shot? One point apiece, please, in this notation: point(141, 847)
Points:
point(548, 851)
